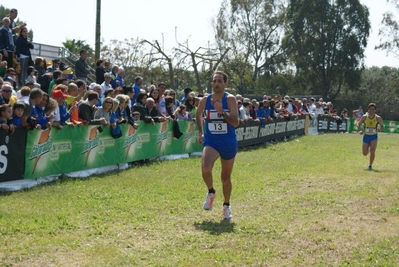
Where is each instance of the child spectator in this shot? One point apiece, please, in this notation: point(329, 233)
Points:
point(136, 116)
point(6, 117)
point(60, 97)
point(181, 113)
point(18, 110)
point(52, 112)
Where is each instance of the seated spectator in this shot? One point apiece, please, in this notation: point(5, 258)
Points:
point(181, 114)
point(88, 108)
point(6, 122)
point(44, 77)
point(17, 112)
point(118, 81)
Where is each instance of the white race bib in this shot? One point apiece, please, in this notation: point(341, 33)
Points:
point(217, 127)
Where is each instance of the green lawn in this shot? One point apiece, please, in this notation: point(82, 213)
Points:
point(307, 202)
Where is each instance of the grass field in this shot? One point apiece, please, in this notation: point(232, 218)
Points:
point(307, 202)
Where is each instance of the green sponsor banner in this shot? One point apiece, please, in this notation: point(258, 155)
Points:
point(54, 151)
point(389, 126)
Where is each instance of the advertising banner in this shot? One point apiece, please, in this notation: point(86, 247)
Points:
point(54, 151)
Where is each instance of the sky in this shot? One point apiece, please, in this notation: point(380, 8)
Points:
point(54, 21)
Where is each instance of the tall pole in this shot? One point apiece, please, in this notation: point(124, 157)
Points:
point(98, 30)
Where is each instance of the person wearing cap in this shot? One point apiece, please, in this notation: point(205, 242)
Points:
point(186, 90)
point(219, 140)
point(370, 138)
point(55, 65)
point(59, 96)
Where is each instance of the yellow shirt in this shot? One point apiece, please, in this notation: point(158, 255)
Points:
point(370, 125)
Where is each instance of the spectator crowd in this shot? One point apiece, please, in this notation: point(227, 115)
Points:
point(37, 95)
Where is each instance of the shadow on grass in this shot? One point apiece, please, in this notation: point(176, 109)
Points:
point(215, 228)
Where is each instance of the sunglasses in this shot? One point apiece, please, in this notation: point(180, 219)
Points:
point(6, 91)
point(108, 102)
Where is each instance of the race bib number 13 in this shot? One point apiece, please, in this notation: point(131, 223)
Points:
point(217, 127)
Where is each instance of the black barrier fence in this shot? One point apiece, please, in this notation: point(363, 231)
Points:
point(253, 133)
point(326, 124)
point(12, 155)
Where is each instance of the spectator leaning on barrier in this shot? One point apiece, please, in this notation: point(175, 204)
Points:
point(59, 96)
point(6, 121)
point(82, 69)
point(17, 112)
point(87, 109)
point(152, 110)
point(105, 111)
point(35, 97)
point(73, 99)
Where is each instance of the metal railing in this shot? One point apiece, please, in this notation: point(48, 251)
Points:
point(50, 52)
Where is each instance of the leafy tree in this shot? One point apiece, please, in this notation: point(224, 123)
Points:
point(380, 86)
point(389, 32)
point(326, 41)
point(252, 30)
point(128, 54)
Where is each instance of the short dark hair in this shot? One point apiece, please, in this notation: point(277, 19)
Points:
point(80, 83)
point(92, 95)
point(57, 74)
point(138, 78)
point(82, 51)
point(223, 74)
point(18, 104)
point(35, 92)
point(4, 107)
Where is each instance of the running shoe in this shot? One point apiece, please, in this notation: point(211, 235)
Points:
point(208, 204)
point(227, 212)
point(370, 167)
